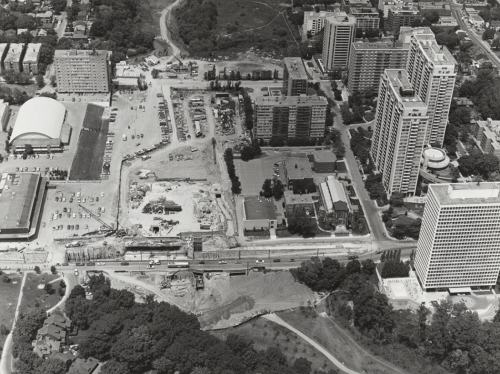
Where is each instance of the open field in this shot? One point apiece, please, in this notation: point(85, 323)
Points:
point(331, 337)
point(33, 296)
point(87, 163)
point(266, 334)
point(9, 294)
point(253, 173)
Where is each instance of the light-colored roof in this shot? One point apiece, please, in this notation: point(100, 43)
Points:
point(14, 52)
point(259, 208)
point(32, 52)
point(336, 190)
point(327, 199)
point(467, 193)
point(40, 117)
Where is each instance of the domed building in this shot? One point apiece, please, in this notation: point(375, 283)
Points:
point(40, 124)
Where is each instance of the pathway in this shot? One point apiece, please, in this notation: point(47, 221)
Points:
point(7, 359)
point(337, 363)
point(165, 34)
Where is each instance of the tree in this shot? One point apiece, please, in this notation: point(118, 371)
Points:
point(4, 330)
point(25, 22)
point(53, 81)
point(37, 269)
point(449, 40)
point(300, 223)
point(53, 269)
point(155, 73)
point(247, 153)
point(302, 366)
point(489, 33)
point(267, 189)
point(49, 289)
point(52, 366)
point(397, 199)
point(256, 148)
point(278, 189)
point(235, 185)
point(115, 367)
point(368, 267)
point(6, 279)
point(39, 81)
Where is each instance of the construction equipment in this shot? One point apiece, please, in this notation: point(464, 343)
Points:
point(108, 229)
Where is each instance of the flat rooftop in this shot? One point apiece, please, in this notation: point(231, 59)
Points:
point(14, 52)
point(341, 18)
point(18, 191)
point(75, 53)
point(298, 168)
point(257, 208)
point(376, 46)
point(291, 100)
point(438, 55)
point(467, 193)
point(364, 11)
point(32, 52)
point(403, 88)
point(324, 156)
point(405, 9)
point(290, 198)
point(295, 67)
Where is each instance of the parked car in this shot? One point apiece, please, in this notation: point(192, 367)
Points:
point(259, 261)
point(125, 263)
point(222, 262)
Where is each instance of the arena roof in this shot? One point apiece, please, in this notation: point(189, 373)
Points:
point(40, 117)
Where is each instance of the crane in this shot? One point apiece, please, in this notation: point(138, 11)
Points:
point(110, 230)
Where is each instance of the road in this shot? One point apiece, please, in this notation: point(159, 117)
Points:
point(274, 318)
point(371, 211)
point(456, 9)
point(165, 34)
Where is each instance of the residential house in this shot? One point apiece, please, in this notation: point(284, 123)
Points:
point(82, 366)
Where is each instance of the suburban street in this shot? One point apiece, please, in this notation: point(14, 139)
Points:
point(456, 9)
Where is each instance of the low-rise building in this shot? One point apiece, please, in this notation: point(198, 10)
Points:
point(487, 136)
point(476, 20)
point(4, 114)
point(52, 336)
point(356, 3)
point(298, 172)
point(324, 162)
point(259, 213)
point(335, 200)
point(82, 366)
point(299, 203)
point(366, 18)
point(383, 5)
point(14, 57)
point(31, 58)
point(314, 21)
point(442, 9)
point(446, 22)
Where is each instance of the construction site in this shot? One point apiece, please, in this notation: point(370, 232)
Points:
point(222, 299)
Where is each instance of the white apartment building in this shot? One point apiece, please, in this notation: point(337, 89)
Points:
point(459, 244)
point(384, 5)
point(432, 72)
point(366, 18)
point(338, 37)
point(398, 139)
point(314, 22)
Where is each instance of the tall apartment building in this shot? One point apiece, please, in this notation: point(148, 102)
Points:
point(14, 57)
point(368, 61)
point(406, 32)
point(290, 116)
point(366, 18)
point(338, 37)
point(31, 58)
point(315, 21)
point(294, 77)
point(459, 243)
point(398, 139)
point(401, 15)
point(432, 72)
point(356, 3)
point(82, 70)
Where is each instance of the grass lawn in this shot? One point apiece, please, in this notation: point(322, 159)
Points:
point(9, 294)
point(266, 334)
point(32, 295)
point(404, 220)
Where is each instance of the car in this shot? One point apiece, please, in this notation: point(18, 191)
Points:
point(91, 199)
point(259, 261)
point(90, 263)
point(64, 264)
point(201, 262)
point(142, 136)
point(5, 267)
point(101, 264)
point(68, 227)
point(76, 272)
point(222, 262)
point(65, 210)
point(292, 260)
point(352, 257)
point(237, 262)
point(70, 199)
point(77, 227)
point(150, 267)
point(80, 264)
point(124, 263)
point(96, 199)
point(138, 144)
point(277, 260)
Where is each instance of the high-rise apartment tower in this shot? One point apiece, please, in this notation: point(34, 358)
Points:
point(294, 77)
point(459, 243)
point(338, 36)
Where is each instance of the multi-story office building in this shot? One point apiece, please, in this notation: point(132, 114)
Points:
point(459, 243)
point(31, 58)
point(82, 70)
point(338, 37)
point(315, 21)
point(398, 139)
point(294, 77)
point(368, 62)
point(366, 18)
point(14, 57)
point(432, 72)
point(290, 116)
point(401, 15)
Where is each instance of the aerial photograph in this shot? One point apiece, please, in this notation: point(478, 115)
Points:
point(250, 187)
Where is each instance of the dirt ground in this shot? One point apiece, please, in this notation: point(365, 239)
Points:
point(193, 198)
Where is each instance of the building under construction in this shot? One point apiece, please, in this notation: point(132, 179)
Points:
point(161, 206)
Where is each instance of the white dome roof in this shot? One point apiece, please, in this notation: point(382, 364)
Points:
point(40, 117)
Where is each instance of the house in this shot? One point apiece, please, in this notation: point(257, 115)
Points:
point(59, 321)
point(81, 366)
point(82, 16)
point(22, 31)
point(44, 348)
point(464, 102)
point(299, 203)
point(65, 357)
point(51, 332)
point(259, 213)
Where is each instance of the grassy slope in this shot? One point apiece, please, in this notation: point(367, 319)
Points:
point(9, 294)
point(32, 295)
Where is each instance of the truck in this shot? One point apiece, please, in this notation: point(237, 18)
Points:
point(124, 137)
point(178, 264)
point(144, 158)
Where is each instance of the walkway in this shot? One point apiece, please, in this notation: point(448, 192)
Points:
point(337, 363)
